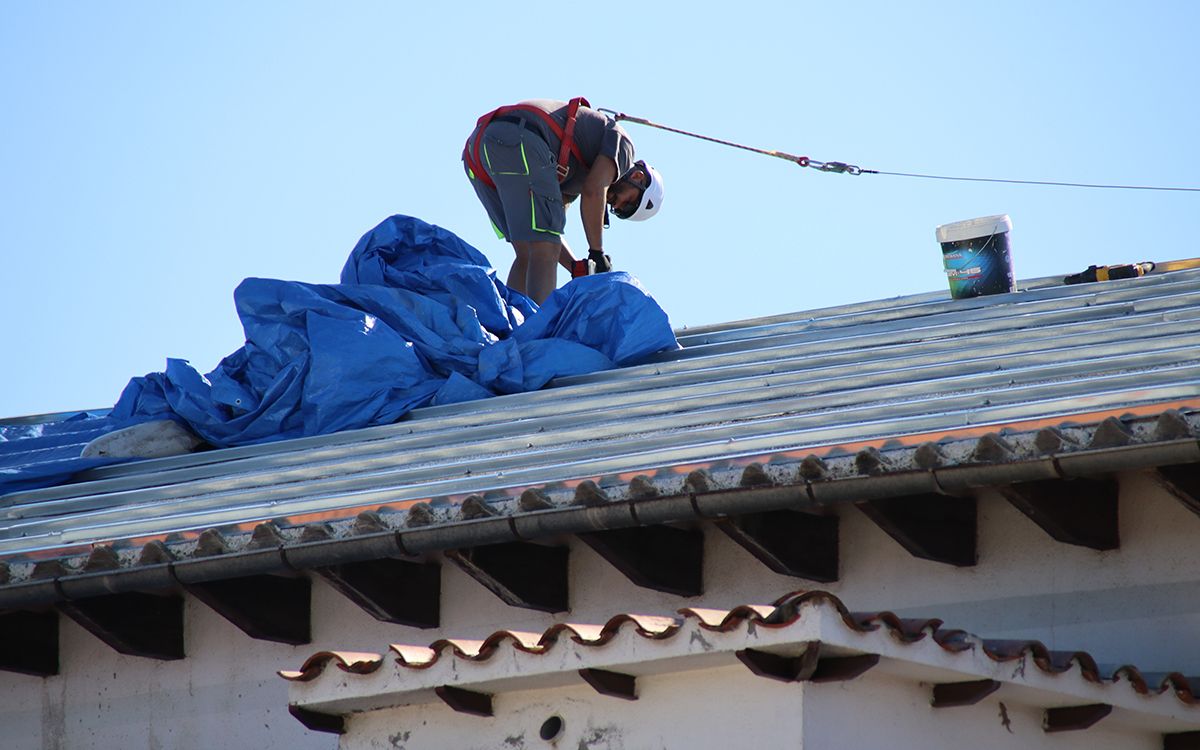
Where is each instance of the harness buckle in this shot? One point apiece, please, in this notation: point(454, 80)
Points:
point(562, 170)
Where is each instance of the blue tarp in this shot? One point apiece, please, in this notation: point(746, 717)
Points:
point(419, 318)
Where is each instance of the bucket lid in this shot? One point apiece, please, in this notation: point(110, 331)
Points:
point(984, 226)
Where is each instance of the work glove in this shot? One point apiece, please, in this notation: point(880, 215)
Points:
point(602, 262)
point(597, 262)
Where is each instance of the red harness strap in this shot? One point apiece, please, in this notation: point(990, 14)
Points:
point(565, 135)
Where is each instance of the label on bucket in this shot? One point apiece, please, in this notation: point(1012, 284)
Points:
point(978, 265)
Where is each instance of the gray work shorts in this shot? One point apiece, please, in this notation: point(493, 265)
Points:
point(526, 205)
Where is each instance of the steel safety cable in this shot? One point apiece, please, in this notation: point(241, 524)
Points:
point(842, 167)
point(1034, 182)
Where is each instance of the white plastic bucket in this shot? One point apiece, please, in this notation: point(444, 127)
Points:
point(975, 254)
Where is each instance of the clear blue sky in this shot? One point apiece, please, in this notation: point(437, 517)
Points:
point(152, 155)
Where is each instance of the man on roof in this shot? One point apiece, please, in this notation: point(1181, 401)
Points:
point(528, 161)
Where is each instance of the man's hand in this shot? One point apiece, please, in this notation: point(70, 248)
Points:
point(603, 263)
point(597, 262)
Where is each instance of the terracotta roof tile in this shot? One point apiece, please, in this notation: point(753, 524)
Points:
point(354, 662)
point(723, 619)
point(786, 612)
point(413, 656)
point(1185, 688)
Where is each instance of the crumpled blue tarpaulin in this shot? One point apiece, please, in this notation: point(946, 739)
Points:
point(419, 318)
point(41, 455)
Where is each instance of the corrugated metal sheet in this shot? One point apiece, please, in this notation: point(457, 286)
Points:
point(912, 365)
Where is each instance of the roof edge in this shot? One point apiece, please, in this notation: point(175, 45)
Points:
point(289, 559)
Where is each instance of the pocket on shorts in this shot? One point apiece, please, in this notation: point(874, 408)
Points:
point(548, 214)
point(502, 156)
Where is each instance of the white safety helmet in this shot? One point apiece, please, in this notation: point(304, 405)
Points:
point(650, 188)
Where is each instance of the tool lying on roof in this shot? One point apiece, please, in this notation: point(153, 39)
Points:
point(1129, 270)
point(1105, 273)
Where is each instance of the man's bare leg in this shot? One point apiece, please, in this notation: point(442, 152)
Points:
point(520, 266)
point(540, 263)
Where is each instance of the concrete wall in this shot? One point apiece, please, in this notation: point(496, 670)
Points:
point(882, 711)
point(729, 707)
point(669, 713)
point(223, 695)
point(1139, 604)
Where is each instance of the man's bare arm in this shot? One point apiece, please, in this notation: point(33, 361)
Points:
point(594, 197)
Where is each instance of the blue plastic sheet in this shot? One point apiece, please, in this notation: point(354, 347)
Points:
point(41, 455)
point(419, 318)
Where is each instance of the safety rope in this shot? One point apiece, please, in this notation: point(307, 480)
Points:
point(844, 168)
point(1037, 182)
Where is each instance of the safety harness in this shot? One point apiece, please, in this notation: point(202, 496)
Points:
point(566, 135)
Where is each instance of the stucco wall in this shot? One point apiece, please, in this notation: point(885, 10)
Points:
point(882, 711)
point(729, 707)
point(672, 711)
point(1138, 604)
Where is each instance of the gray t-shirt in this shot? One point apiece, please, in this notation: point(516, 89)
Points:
point(595, 134)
